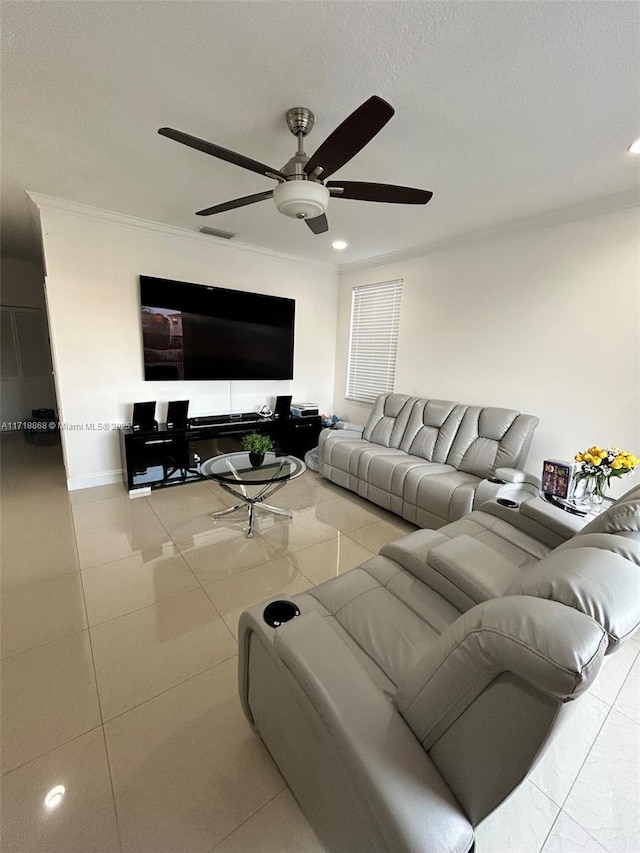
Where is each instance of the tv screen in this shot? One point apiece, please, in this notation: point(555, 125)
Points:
point(191, 331)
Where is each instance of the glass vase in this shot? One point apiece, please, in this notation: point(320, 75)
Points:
point(588, 494)
point(595, 493)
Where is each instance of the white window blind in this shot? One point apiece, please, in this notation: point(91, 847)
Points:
point(375, 319)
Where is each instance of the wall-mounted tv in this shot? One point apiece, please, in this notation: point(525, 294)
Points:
point(192, 331)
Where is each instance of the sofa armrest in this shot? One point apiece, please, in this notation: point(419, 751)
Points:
point(515, 475)
point(407, 798)
point(509, 483)
point(350, 426)
point(536, 517)
point(564, 523)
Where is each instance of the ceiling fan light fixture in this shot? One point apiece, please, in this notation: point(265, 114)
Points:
point(301, 193)
point(301, 199)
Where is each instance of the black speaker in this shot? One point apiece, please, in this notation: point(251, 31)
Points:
point(177, 417)
point(144, 417)
point(283, 407)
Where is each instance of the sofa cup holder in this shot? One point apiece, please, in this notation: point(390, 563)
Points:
point(506, 502)
point(278, 612)
point(497, 481)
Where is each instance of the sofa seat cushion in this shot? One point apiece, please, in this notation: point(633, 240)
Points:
point(505, 549)
point(518, 547)
point(467, 572)
point(346, 455)
point(362, 464)
point(390, 472)
point(387, 613)
point(438, 498)
point(462, 569)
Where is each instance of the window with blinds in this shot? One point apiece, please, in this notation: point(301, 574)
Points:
point(375, 319)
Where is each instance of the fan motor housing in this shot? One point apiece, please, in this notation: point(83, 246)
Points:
point(301, 199)
point(300, 120)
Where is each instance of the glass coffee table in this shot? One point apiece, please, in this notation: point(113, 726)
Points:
point(236, 474)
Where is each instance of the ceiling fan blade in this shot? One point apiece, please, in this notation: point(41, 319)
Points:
point(220, 153)
point(350, 137)
point(319, 224)
point(237, 202)
point(363, 191)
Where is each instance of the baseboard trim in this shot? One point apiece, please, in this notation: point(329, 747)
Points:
point(102, 478)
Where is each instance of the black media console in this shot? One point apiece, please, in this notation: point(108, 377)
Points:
point(168, 457)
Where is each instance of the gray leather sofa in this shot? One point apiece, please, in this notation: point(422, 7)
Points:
point(414, 693)
point(430, 461)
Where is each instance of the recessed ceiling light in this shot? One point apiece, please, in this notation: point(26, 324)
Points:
point(54, 797)
point(634, 148)
point(339, 245)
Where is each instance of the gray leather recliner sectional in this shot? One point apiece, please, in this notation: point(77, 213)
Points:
point(430, 460)
point(414, 693)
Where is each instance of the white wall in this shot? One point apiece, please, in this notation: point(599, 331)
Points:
point(545, 322)
point(93, 261)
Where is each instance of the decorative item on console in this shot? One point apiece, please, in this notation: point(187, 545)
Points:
point(305, 410)
point(256, 446)
point(177, 414)
point(557, 478)
point(144, 417)
point(329, 420)
point(282, 409)
point(598, 466)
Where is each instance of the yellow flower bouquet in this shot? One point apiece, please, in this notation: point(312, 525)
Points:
point(600, 464)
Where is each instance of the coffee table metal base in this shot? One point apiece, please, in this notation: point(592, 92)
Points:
point(251, 503)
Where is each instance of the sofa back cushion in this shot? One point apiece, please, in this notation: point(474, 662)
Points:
point(595, 573)
point(490, 438)
point(622, 518)
point(432, 427)
point(388, 419)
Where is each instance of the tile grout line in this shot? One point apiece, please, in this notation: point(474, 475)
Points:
point(555, 820)
point(223, 620)
point(277, 556)
point(95, 677)
point(112, 787)
point(286, 555)
point(586, 831)
point(246, 820)
point(49, 751)
point(47, 642)
point(144, 607)
point(579, 771)
point(607, 715)
point(626, 678)
point(626, 716)
point(168, 689)
point(194, 675)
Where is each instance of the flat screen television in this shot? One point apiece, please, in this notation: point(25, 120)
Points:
point(192, 331)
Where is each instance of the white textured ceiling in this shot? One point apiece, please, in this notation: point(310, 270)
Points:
point(503, 109)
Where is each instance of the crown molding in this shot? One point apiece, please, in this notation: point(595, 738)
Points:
point(85, 211)
point(571, 213)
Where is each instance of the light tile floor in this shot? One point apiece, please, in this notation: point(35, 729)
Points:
point(119, 676)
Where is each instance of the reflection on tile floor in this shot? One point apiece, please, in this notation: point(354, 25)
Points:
point(119, 663)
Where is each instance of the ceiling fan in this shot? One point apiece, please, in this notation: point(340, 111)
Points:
point(301, 192)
